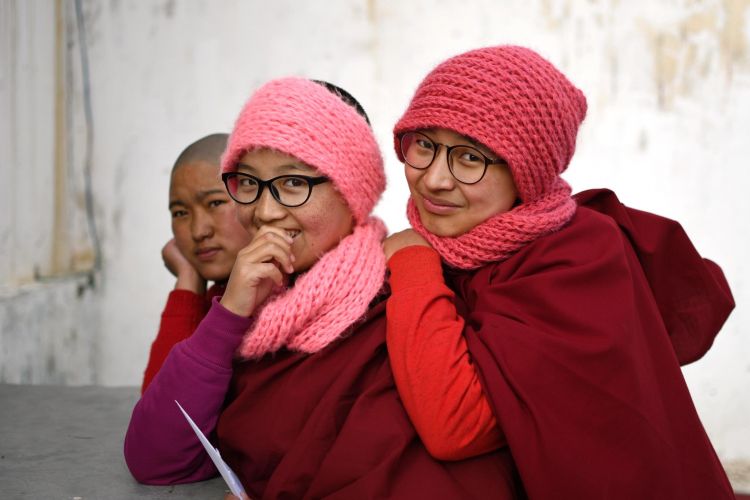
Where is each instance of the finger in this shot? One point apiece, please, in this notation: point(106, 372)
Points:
point(260, 242)
point(268, 271)
point(271, 251)
point(261, 248)
point(265, 230)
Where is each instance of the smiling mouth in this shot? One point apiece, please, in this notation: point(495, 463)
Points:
point(438, 207)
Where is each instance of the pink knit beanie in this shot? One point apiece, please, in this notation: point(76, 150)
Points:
point(304, 119)
point(307, 120)
point(511, 100)
point(520, 106)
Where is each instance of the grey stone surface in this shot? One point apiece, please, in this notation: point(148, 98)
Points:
point(66, 443)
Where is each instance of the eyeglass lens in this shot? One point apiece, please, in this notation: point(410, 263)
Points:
point(466, 163)
point(289, 190)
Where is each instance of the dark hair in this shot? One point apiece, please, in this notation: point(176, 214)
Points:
point(346, 97)
point(208, 149)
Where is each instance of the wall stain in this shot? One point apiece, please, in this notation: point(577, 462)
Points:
point(705, 41)
point(372, 11)
point(169, 8)
point(739, 473)
point(59, 255)
point(556, 15)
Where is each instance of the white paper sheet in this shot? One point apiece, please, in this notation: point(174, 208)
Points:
point(228, 474)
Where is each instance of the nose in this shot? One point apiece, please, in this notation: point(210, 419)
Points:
point(267, 209)
point(438, 176)
point(201, 225)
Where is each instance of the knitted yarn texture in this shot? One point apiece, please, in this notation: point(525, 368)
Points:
point(499, 237)
point(325, 301)
point(305, 120)
point(520, 106)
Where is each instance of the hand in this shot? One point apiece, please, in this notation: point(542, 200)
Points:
point(402, 239)
point(265, 262)
point(187, 276)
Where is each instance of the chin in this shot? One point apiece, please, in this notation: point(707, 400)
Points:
point(213, 273)
point(440, 229)
point(446, 233)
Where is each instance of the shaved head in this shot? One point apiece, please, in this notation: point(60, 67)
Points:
point(207, 149)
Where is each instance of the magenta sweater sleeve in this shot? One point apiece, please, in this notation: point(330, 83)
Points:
point(160, 446)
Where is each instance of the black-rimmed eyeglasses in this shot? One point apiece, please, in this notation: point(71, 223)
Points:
point(466, 163)
point(288, 190)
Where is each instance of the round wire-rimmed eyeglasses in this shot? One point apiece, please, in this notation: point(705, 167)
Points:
point(466, 163)
point(289, 190)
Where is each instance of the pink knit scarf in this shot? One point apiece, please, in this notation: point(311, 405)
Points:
point(326, 301)
point(502, 235)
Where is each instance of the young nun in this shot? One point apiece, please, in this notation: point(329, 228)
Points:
point(527, 320)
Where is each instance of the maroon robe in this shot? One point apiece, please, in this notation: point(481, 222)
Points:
point(571, 337)
point(331, 425)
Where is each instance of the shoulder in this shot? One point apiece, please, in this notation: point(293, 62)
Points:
point(584, 262)
point(588, 226)
point(589, 238)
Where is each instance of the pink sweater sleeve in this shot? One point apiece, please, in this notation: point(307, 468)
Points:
point(160, 446)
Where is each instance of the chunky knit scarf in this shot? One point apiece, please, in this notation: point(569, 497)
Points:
point(326, 301)
point(501, 236)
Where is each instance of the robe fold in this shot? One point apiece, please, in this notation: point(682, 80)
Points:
point(578, 340)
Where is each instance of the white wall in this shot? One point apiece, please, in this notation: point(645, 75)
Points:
point(668, 85)
point(49, 314)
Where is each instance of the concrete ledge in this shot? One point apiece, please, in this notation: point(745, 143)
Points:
point(66, 442)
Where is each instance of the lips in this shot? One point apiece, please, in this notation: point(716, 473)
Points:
point(438, 206)
point(207, 254)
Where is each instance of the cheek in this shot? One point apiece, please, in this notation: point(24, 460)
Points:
point(499, 194)
point(182, 236)
point(324, 227)
point(485, 203)
point(322, 232)
point(244, 215)
point(412, 176)
point(231, 229)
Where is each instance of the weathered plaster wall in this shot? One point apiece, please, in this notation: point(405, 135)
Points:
point(49, 313)
point(668, 84)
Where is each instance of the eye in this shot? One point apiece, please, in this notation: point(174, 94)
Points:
point(216, 203)
point(470, 157)
point(424, 143)
point(246, 182)
point(176, 214)
point(294, 182)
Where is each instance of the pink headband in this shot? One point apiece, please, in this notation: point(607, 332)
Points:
point(305, 120)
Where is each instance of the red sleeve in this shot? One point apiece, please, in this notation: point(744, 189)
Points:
point(432, 368)
point(181, 316)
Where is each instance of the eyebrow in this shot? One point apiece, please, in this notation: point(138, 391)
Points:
point(288, 166)
point(201, 195)
point(204, 194)
point(478, 145)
